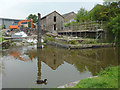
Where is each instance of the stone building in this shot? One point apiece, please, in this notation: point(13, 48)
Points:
point(52, 22)
point(68, 17)
point(7, 22)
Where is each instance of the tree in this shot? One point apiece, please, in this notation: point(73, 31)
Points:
point(34, 17)
point(3, 26)
point(81, 16)
point(113, 9)
point(114, 26)
point(98, 13)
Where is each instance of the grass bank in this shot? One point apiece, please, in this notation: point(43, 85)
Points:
point(107, 78)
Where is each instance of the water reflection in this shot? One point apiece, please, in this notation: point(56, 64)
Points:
point(39, 80)
point(57, 65)
point(91, 59)
point(20, 56)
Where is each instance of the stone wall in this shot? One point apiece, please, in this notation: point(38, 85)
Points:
point(68, 17)
point(48, 22)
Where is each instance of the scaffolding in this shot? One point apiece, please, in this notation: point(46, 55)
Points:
point(92, 25)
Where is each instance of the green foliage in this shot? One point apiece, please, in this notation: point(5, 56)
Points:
point(3, 26)
point(107, 78)
point(104, 12)
point(31, 16)
point(73, 23)
point(73, 42)
point(113, 26)
point(51, 38)
point(21, 26)
point(67, 24)
point(81, 16)
point(1, 39)
point(90, 41)
point(14, 44)
point(98, 13)
point(34, 17)
point(109, 12)
point(45, 40)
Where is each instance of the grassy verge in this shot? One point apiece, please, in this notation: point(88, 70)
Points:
point(107, 78)
point(1, 38)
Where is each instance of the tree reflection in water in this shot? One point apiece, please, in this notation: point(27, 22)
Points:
point(84, 59)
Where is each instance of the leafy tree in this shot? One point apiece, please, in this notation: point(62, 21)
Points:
point(98, 13)
point(34, 17)
point(3, 26)
point(81, 16)
point(114, 26)
point(22, 26)
point(113, 23)
point(112, 9)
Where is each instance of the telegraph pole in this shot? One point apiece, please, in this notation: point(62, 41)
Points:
point(39, 44)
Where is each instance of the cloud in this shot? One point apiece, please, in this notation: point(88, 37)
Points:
point(13, 1)
point(15, 8)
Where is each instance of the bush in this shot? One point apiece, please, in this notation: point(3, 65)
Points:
point(67, 24)
point(73, 42)
point(90, 42)
point(3, 26)
point(1, 39)
point(51, 38)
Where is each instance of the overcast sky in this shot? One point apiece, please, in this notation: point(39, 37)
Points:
point(20, 9)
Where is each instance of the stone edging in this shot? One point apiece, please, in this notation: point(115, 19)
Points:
point(80, 46)
point(72, 84)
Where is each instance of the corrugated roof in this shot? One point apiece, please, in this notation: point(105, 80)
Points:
point(10, 19)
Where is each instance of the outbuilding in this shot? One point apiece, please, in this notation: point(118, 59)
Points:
point(52, 22)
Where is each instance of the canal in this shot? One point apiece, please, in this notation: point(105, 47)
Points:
point(22, 66)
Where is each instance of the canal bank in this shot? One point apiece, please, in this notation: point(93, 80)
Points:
point(107, 78)
point(80, 46)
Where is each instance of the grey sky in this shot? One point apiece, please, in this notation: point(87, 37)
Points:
point(21, 9)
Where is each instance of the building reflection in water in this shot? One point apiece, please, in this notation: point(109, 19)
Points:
point(92, 60)
point(84, 59)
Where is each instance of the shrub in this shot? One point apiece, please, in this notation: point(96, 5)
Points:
point(90, 42)
point(73, 42)
point(67, 24)
point(51, 38)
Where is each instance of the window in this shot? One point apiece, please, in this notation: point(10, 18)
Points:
point(54, 18)
point(61, 28)
point(54, 26)
point(44, 27)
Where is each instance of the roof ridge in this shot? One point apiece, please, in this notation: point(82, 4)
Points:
point(51, 13)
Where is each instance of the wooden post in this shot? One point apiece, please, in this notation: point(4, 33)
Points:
point(39, 44)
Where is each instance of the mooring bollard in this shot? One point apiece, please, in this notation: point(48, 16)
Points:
point(39, 35)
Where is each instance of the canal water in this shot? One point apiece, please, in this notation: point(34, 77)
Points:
point(22, 66)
